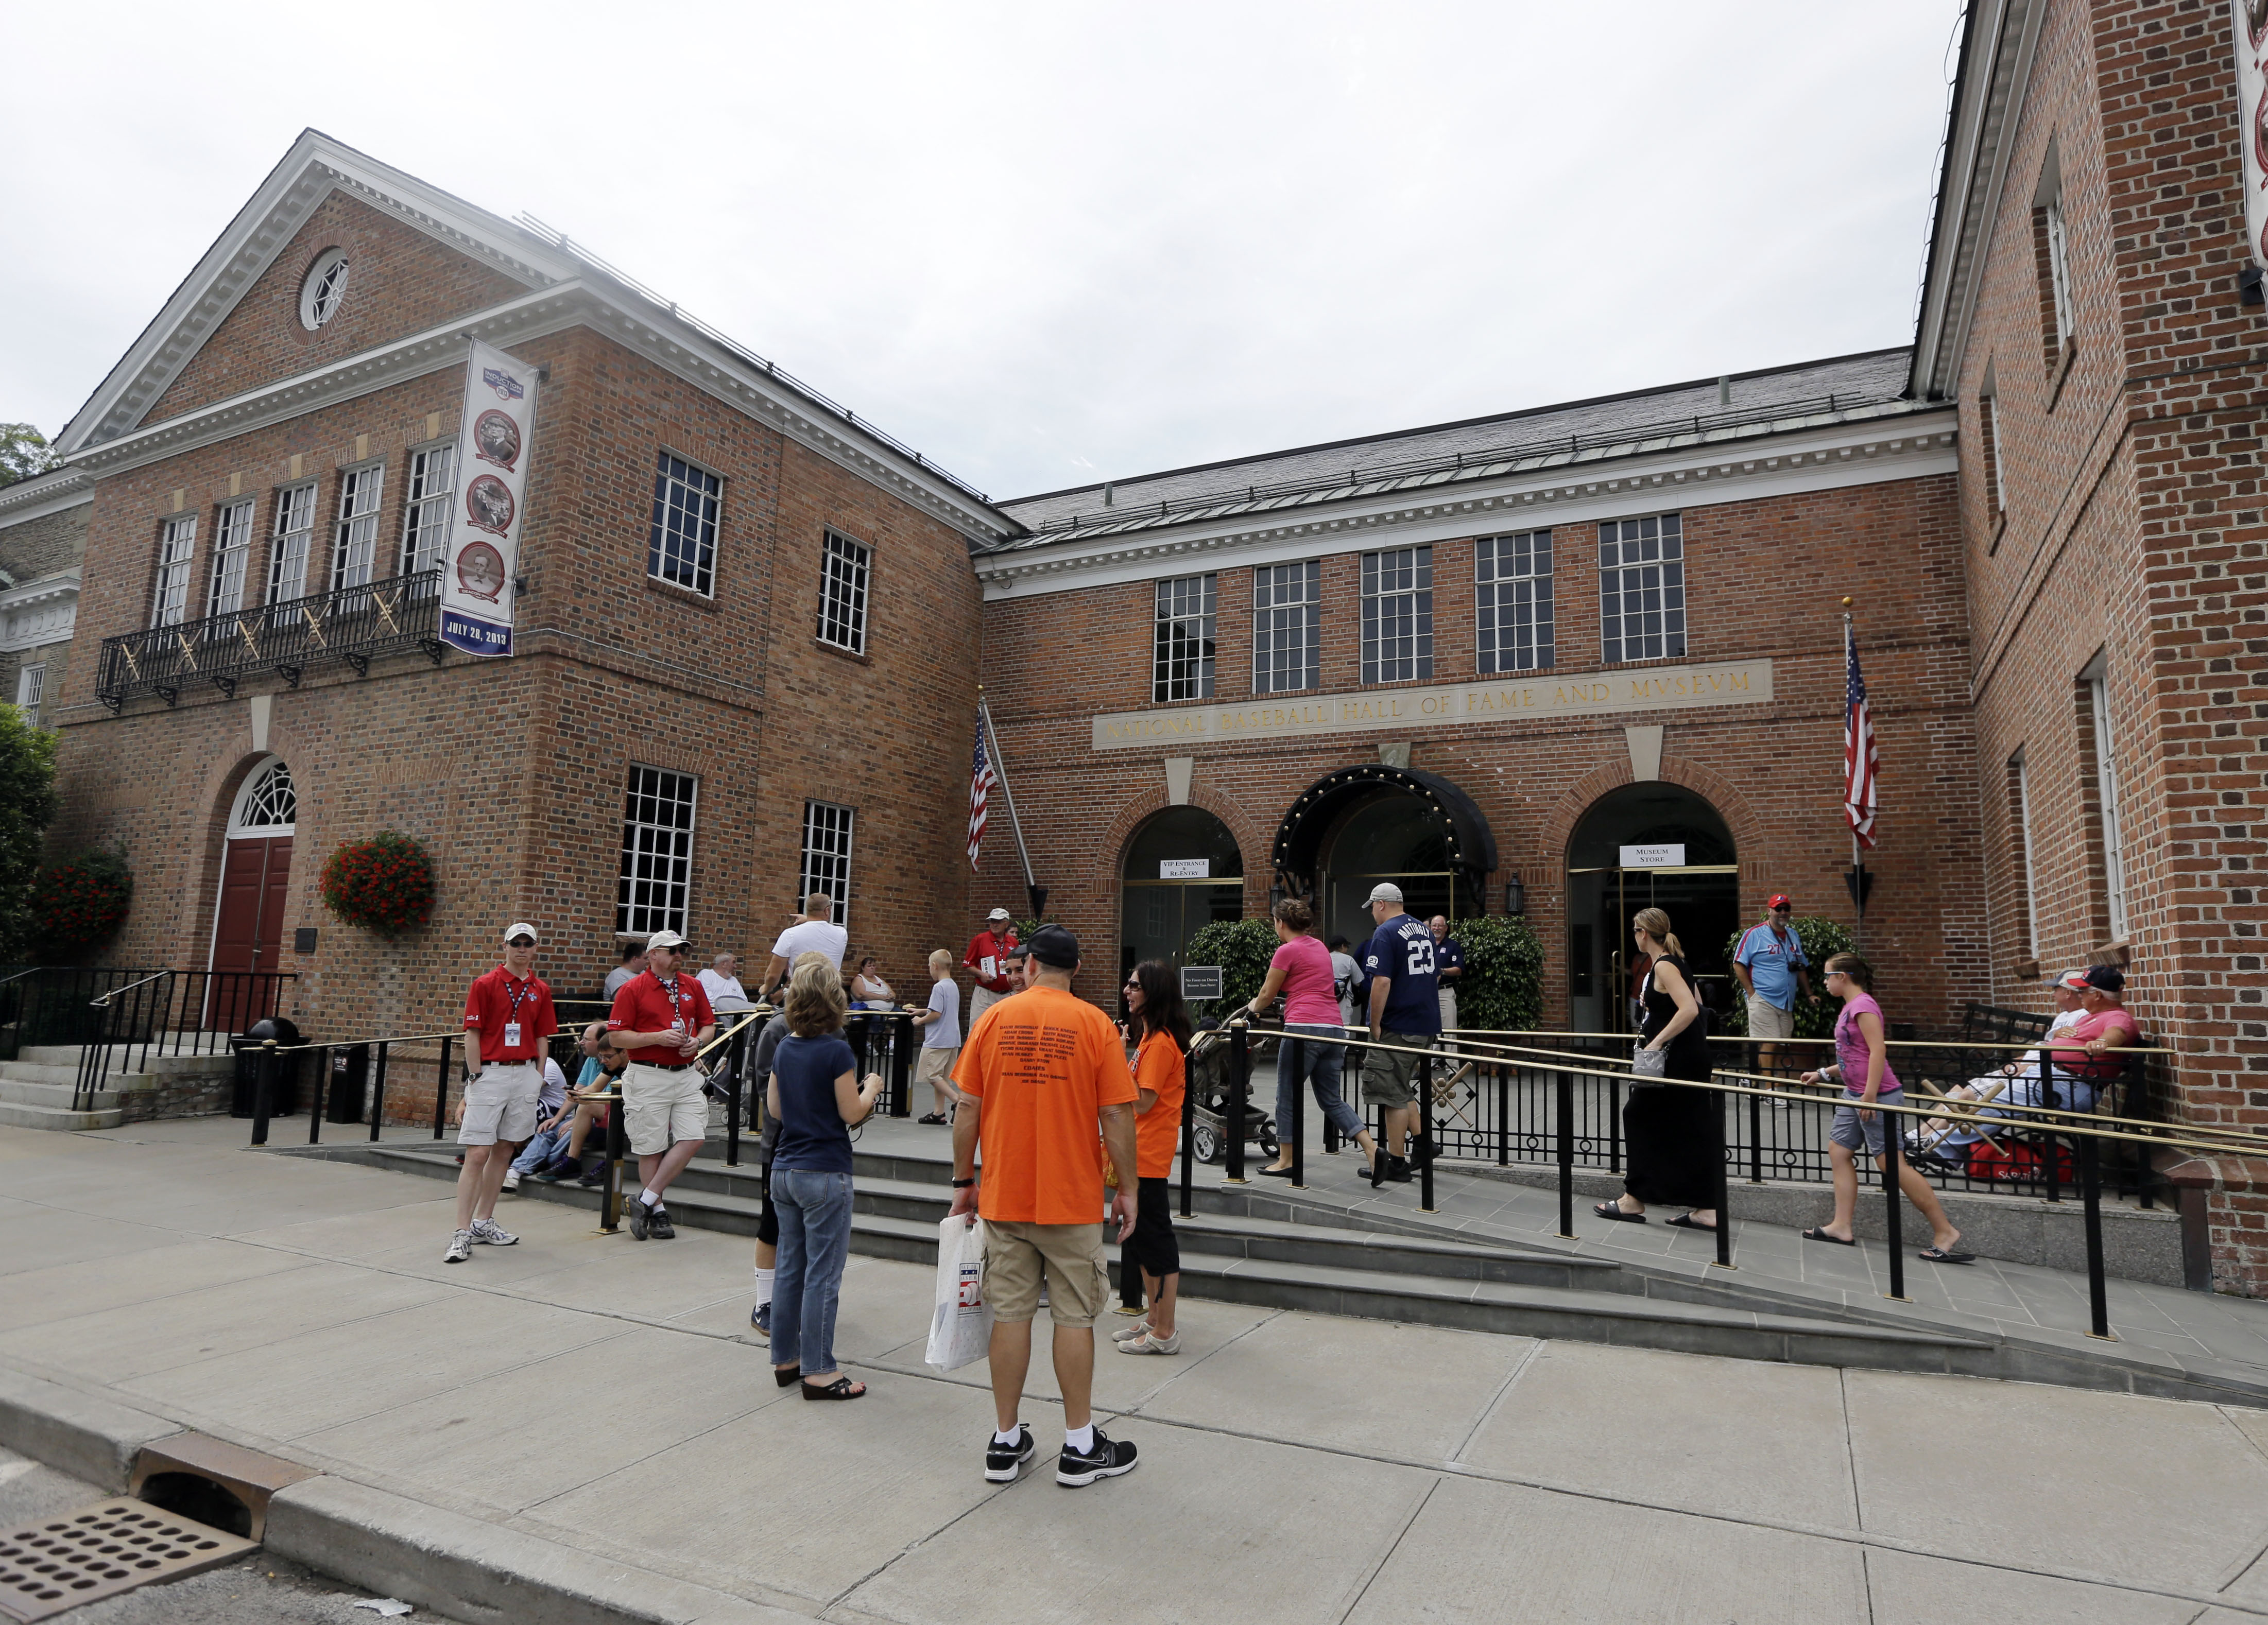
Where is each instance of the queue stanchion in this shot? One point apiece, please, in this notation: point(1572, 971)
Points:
point(263, 1089)
point(1240, 1091)
point(902, 1064)
point(1893, 1165)
point(441, 1091)
point(2090, 1189)
point(1424, 1146)
point(1563, 1109)
point(378, 1091)
point(315, 1111)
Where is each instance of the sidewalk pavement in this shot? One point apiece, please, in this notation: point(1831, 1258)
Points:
point(602, 1395)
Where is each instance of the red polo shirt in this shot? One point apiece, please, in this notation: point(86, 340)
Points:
point(643, 1005)
point(500, 998)
point(987, 956)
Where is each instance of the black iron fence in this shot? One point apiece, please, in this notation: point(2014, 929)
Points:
point(349, 626)
point(121, 1019)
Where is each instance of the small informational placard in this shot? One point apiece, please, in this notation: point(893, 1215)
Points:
point(1654, 857)
point(1200, 981)
point(483, 557)
point(1184, 868)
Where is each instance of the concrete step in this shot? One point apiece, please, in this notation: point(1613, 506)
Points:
point(205, 1063)
point(29, 1075)
point(55, 1095)
point(15, 1114)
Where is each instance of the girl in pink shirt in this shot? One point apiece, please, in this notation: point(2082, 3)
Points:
point(1301, 974)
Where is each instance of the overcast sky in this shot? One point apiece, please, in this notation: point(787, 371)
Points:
point(1050, 244)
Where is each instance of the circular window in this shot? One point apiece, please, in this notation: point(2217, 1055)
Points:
point(320, 294)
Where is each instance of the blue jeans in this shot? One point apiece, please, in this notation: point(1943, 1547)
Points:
point(814, 1243)
point(547, 1144)
point(1296, 1064)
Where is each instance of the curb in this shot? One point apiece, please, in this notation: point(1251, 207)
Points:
point(385, 1542)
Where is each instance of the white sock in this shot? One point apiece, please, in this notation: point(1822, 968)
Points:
point(1013, 1436)
point(651, 1198)
point(764, 1286)
point(1080, 1439)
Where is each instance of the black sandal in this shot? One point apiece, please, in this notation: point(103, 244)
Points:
point(841, 1388)
point(786, 1376)
point(1686, 1220)
point(1818, 1234)
point(1939, 1255)
point(1614, 1210)
point(930, 1117)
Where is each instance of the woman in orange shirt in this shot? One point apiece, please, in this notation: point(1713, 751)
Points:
point(1160, 1023)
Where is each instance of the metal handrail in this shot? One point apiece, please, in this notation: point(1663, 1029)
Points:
point(2056, 1042)
point(105, 1000)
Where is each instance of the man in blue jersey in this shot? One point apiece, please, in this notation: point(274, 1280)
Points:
point(1773, 973)
point(1405, 1012)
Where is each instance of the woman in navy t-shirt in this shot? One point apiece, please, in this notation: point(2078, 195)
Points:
point(815, 1095)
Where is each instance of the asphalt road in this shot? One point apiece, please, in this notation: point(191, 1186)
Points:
point(261, 1589)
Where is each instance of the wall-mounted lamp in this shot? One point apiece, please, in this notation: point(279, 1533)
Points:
point(1275, 896)
point(1515, 896)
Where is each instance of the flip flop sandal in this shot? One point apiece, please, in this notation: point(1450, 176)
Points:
point(1816, 1234)
point(1936, 1255)
point(841, 1388)
point(1613, 1210)
point(1685, 1221)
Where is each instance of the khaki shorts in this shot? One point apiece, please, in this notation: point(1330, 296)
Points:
point(1389, 1076)
point(1015, 1254)
point(661, 1107)
point(1767, 1019)
point(500, 1105)
point(935, 1066)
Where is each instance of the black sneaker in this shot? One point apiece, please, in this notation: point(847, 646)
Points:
point(1003, 1462)
point(1397, 1170)
point(641, 1217)
point(1107, 1460)
point(663, 1230)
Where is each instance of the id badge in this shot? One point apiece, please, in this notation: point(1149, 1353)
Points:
point(511, 1035)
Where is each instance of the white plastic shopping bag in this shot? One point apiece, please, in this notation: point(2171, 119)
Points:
point(960, 1325)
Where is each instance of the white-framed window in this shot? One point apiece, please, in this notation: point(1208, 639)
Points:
point(2097, 679)
point(1642, 588)
point(354, 539)
point(294, 539)
point(1397, 615)
point(682, 549)
point(1287, 627)
point(177, 540)
point(269, 804)
point(2019, 780)
point(827, 855)
point(657, 869)
point(232, 553)
point(425, 510)
point(324, 289)
point(31, 684)
point(1181, 653)
point(2058, 268)
point(1513, 577)
point(846, 570)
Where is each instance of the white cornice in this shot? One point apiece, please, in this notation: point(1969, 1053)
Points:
point(47, 493)
point(1867, 452)
point(39, 613)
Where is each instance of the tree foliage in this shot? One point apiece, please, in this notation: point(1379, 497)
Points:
point(23, 453)
point(1822, 939)
point(80, 902)
point(27, 806)
point(1242, 949)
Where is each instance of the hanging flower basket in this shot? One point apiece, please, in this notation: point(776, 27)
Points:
point(383, 885)
point(82, 899)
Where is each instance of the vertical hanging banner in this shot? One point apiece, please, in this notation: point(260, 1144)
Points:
point(483, 552)
point(2249, 21)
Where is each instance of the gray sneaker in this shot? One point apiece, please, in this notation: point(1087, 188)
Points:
point(641, 1217)
point(487, 1232)
point(460, 1248)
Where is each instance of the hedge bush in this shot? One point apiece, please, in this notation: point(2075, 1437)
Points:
point(383, 885)
point(1815, 1017)
point(1242, 949)
point(82, 901)
point(1502, 989)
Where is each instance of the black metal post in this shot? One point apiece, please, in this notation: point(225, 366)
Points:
point(1724, 1179)
point(2049, 1169)
point(1189, 1145)
point(441, 1090)
point(1292, 1052)
point(378, 1091)
point(736, 1058)
point(1565, 1111)
point(1615, 1127)
point(1756, 1139)
point(1425, 1146)
point(263, 1082)
point(902, 1045)
point(315, 1111)
point(610, 1195)
point(1331, 1129)
point(1240, 1093)
point(1503, 1116)
point(2091, 1186)
point(1893, 1166)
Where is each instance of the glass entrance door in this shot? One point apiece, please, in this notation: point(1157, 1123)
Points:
point(1703, 902)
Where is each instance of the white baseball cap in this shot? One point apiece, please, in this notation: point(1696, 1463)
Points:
point(999, 914)
point(519, 928)
point(664, 940)
point(1386, 892)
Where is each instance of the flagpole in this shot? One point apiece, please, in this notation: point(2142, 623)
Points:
point(1858, 863)
point(1033, 895)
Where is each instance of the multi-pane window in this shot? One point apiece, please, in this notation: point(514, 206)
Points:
point(1397, 615)
point(232, 552)
point(2020, 790)
point(425, 513)
point(1180, 664)
point(682, 549)
point(1642, 588)
point(827, 855)
point(2106, 785)
point(31, 683)
point(656, 872)
point(1514, 577)
point(846, 569)
point(177, 540)
point(1993, 472)
point(354, 539)
point(1286, 626)
point(295, 536)
point(2058, 268)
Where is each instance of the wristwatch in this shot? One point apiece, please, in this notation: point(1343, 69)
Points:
point(963, 1184)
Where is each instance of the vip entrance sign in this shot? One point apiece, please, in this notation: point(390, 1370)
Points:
point(479, 566)
point(1653, 856)
point(1184, 868)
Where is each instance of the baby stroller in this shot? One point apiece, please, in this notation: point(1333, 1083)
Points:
point(1208, 1106)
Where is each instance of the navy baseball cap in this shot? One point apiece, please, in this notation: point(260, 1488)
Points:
point(1055, 945)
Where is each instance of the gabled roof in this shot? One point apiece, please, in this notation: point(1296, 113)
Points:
point(314, 167)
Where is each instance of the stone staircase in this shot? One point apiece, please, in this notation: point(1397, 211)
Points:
point(36, 1087)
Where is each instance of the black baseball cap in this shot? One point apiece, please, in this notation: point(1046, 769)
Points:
point(1055, 945)
point(2109, 978)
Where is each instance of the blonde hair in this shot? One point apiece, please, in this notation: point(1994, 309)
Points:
point(815, 1001)
point(941, 961)
point(1655, 924)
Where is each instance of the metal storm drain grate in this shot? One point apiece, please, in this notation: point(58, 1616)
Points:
point(98, 1551)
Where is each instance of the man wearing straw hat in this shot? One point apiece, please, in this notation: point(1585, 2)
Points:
point(508, 1018)
point(662, 1018)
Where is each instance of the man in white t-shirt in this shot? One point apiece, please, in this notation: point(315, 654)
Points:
point(815, 933)
point(722, 983)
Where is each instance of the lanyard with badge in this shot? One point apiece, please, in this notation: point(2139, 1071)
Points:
point(526, 990)
point(676, 1004)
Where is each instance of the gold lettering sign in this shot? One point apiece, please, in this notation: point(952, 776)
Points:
point(1537, 695)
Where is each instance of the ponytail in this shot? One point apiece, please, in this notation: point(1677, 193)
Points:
point(1655, 924)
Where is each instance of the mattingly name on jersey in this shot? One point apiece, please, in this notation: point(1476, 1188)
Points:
point(1542, 694)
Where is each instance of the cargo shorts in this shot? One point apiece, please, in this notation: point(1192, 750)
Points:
point(1016, 1253)
point(1389, 1076)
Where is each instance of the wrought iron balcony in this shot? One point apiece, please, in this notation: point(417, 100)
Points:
point(350, 626)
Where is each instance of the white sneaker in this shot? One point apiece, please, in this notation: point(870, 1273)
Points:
point(1128, 1334)
point(512, 1179)
point(1146, 1344)
point(490, 1233)
point(460, 1248)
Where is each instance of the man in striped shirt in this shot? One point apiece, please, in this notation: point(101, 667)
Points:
point(1773, 973)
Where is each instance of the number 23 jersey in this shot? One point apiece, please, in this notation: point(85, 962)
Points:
point(1402, 950)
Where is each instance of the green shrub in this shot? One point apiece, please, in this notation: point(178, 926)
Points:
point(1502, 989)
point(1242, 949)
point(1815, 1017)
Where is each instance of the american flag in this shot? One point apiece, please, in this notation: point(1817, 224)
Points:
point(980, 792)
point(1861, 761)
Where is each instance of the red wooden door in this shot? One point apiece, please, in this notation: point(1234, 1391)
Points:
point(249, 933)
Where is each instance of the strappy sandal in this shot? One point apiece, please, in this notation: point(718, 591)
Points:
point(841, 1388)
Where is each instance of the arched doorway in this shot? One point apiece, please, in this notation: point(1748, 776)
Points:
point(1353, 828)
point(1182, 871)
point(256, 884)
point(1650, 845)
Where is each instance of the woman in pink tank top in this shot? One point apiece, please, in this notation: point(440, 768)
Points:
point(1301, 974)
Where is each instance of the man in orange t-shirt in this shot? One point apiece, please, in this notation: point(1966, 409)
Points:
point(1039, 1073)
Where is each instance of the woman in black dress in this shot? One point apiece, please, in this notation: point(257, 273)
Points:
point(1669, 1142)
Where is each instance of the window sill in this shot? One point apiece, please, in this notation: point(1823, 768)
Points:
point(2061, 371)
point(841, 653)
point(685, 596)
point(2027, 970)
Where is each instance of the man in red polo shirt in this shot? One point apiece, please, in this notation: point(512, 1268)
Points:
point(662, 1018)
point(988, 957)
point(508, 1018)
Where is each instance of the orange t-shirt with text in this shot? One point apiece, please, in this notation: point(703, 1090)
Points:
point(1041, 1063)
point(1159, 1067)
